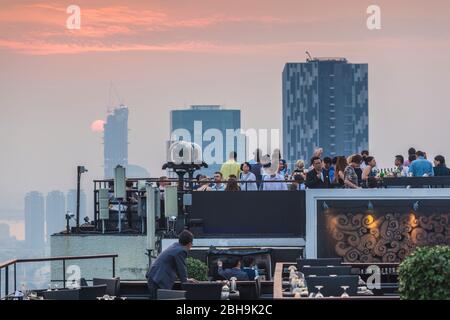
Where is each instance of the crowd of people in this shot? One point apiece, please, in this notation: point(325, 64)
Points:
point(351, 172)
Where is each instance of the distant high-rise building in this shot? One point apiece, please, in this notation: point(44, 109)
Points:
point(204, 124)
point(325, 104)
point(71, 203)
point(4, 232)
point(55, 212)
point(116, 140)
point(34, 220)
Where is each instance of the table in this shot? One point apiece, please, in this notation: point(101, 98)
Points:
point(279, 294)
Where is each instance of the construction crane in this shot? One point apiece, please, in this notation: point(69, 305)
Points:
point(308, 58)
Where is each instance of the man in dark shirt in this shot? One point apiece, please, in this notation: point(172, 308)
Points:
point(317, 178)
point(169, 265)
point(249, 267)
point(234, 271)
point(256, 166)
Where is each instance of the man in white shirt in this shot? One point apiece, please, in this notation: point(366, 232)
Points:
point(280, 183)
point(218, 184)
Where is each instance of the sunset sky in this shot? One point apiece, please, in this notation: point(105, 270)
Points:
point(54, 82)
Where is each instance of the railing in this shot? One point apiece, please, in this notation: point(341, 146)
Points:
point(136, 191)
point(436, 182)
point(14, 263)
point(416, 182)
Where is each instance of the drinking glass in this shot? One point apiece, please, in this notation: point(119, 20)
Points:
point(345, 294)
point(318, 294)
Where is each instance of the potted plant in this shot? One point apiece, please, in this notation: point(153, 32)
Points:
point(196, 269)
point(425, 274)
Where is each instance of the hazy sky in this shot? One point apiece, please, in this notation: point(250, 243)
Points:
point(54, 82)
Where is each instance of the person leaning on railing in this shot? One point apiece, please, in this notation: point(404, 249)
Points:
point(274, 182)
point(218, 183)
point(317, 177)
point(421, 166)
point(369, 178)
point(232, 184)
point(298, 183)
point(399, 162)
point(248, 179)
point(300, 168)
point(204, 184)
point(350, 176)
point(440, 168)
point(339, 176)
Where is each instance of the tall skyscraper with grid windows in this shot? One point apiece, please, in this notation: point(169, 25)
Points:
point(325, 104)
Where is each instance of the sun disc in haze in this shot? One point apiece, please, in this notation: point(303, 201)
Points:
point(97, 126)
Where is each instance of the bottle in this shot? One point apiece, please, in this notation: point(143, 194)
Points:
point(233, 284)
point(23, 290)
point(256, 271)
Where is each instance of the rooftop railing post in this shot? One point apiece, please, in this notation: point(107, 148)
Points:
point(6, 281)
point(114, 267)
point(95, 207)
point(15, 277)
point(64, 273)
point(78, 197)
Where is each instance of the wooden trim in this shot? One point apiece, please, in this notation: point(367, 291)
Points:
point(278, 281)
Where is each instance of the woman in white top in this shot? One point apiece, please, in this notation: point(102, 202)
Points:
point(246, 175)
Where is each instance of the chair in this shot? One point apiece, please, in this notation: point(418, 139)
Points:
point(331, 286)
point(91, 293)
point(112, 285)
point(326, 271)
point(83, 282)
point(63, 294)
point(203, 291)
point(259, 294)
point(322, 262)
point(164, 294)
point(247, 290)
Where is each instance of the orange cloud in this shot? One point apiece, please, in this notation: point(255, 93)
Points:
point(43, 48)
point(46, 48)
point(40, 29)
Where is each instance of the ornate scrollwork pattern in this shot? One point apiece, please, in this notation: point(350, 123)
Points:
point(362, 237)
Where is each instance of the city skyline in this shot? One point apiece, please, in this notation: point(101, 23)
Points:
point(228, 53)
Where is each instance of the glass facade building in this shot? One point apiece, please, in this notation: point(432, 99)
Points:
point(55, 213)
point(34, 221)
point(325, 104)
point(116, 140)
point(213, 129)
